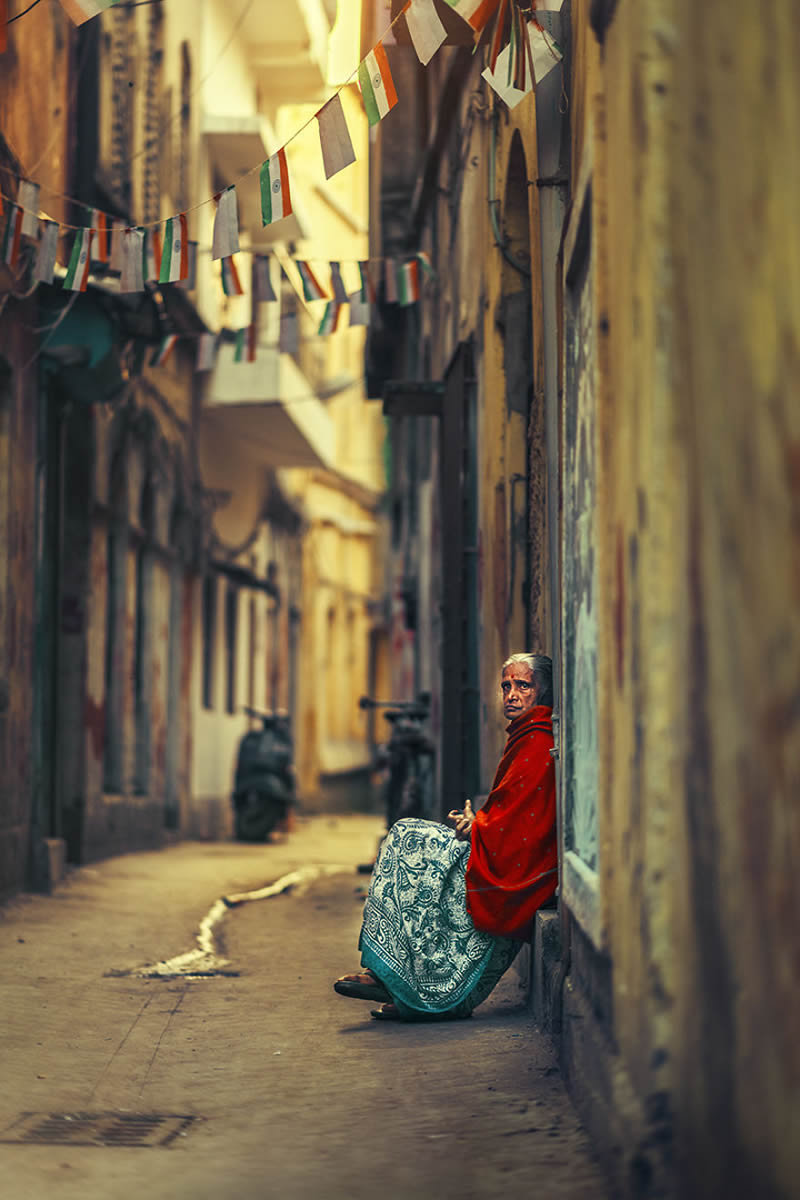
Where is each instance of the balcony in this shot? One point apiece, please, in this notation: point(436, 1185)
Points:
point(289, 54)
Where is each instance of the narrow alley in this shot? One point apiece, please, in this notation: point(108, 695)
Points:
point(294, 1092)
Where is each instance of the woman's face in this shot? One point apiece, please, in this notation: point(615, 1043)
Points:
point(519, 692)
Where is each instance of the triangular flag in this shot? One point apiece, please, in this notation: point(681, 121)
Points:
point(151, 255)
point(84, 10)
point(131, 271)
point(390, 280)
point(226, 225)
point(289, 335)
point(245, 350)
point(46, 252)
point(190, 282)
point(330, 318)
point(276, 198)
point(425, 28)
point(98, 223)
point(408, 282)
point(263, 291)
point(77, 275)
point(175, 254)
point(231, 283)
point(312, 288)
point(475, 12)
point(206, 352)
point(12, 234)
point(377, 86)
point(117, 234)
point(337, 283)
point(162, 353)
point(334, 137)
point(359, 309)
point(28, 200)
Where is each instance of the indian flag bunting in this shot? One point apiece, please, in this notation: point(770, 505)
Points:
point(359, 309)
point(46, 252)
point(101, 238)
point(408, 282)
point(190, 282)
point(334, 137)
point(390, 280)
point(475, 12)
point(28, 201)
point(151, 260)
point(424, 260)
point(545, 54)
point(276, 199)
point(83, 10)
point(12, 235)
point(162, 353)
point(367, 283)
point(289, 332)
point(330, 319)
point(425, 28)
point(245, 350)
point(117, 235)
point(175, 254)
point(206, 352)
point(231, 283)
point(226, 225)
point(132, 266)
point(263, 291)
point(337, 283)
point(312, 289)
point(377, 86)
point(77, 275)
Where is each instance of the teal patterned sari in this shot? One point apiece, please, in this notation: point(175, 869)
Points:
point(417, 935)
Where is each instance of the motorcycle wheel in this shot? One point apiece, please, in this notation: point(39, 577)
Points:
point(257, 816)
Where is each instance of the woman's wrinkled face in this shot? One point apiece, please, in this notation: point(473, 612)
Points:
point(518, 690)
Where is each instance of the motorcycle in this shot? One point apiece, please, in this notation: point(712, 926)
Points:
point(264, 784)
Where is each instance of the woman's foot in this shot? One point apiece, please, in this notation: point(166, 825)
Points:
point(363, 985)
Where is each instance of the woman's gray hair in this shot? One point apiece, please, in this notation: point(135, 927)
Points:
point(541, 668)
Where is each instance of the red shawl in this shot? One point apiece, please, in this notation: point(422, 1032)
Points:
point(513, 863)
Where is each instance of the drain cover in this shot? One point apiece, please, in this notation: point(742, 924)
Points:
point(96, 1129)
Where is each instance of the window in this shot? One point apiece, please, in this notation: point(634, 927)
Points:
point(209, 622)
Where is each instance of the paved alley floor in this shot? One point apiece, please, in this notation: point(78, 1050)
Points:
point(296, 1091)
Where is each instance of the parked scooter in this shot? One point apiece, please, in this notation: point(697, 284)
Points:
point(264, 786)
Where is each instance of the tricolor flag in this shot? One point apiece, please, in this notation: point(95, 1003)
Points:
point(334, 137)
point(425, 28)
point(390, 280)
point(162, 353)
point(226, 225)
point(206, 352)
point(359, 309)
point(263, 291)
point(84, 10)
point(190, 282)
point(276, 198)
point(424, 260)
point(101, 239)
point(131, 269)
point(408, 282)
point(367, 283)
point(28, 201)
point(46, 252)
point(312, 289)
point(231, 283)
point(12, 235)
point(377, 86)
point(117, 235)
point(545, 55)
point(337, 283)
point(151, 260)
point(175, 254)
point(77, 275)
point(289, 333)
point(330, 319)
point(245, 350)
point(475, 12)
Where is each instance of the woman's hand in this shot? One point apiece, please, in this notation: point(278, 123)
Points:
point(463, 822)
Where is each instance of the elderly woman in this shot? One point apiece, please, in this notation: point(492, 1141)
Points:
point(448, 909)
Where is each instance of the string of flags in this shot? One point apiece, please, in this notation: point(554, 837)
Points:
point(523, 50)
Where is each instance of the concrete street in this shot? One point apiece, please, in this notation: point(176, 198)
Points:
point(298, 1092)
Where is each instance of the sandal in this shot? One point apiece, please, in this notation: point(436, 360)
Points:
point(386, 1012)
point(361, 986)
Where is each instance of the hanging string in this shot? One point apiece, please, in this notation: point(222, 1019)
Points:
point(24, 13)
